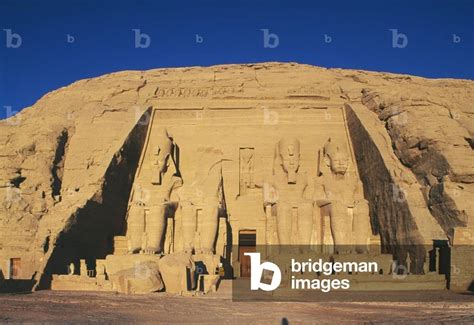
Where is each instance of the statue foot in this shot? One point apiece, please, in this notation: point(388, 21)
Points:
point(148, 251)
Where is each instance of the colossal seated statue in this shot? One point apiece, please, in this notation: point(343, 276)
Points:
point(200, 201)
point(342, 198)
point(285, 191)
point(146, 219)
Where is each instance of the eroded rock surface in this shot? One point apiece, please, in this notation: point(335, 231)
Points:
point(67, 163)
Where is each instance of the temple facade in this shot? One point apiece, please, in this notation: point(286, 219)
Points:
point(223, 181)
point(163, 180)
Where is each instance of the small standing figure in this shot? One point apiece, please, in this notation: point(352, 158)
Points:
point(246, 170)
point(71, 269)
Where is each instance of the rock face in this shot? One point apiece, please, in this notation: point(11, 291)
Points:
point(143, 278)
point(432, 134)
point(68, 163)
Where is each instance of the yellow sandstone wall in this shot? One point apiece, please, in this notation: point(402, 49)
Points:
point(62, 159)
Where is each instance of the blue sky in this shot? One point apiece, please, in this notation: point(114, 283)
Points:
point(231, 31)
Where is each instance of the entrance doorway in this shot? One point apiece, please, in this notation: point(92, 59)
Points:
point(247, 244)
point(15, 268)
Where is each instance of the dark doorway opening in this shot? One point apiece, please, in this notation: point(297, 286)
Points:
point(247, 244)
point(15, 268)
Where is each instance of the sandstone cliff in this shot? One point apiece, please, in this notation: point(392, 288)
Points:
point(67, 163)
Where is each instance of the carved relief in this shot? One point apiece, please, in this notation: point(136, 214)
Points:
point(342, 199)
point(225, 90)
point(289, 184)
point(307, 91)
point(146, 222)
point(181, 92)
point(200, 201)
point(184, 92)
point(247, 161)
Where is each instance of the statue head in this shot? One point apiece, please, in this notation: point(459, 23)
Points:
point(287, 155)
point(339, 163)
point(164, 152)
point(336, 158)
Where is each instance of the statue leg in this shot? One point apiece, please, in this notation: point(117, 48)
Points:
point(135, 228)
point(188, 222)
point(316, 235)
point(361, 225)
point(341, 227)
point(155, 229)
point(305, 223)
point(209, 225)
point(284, 223)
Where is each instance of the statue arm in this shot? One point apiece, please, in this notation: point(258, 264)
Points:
point(270, 193)
point(358, 192)
point(320, 196)
point(173, 184)
point(259, 182)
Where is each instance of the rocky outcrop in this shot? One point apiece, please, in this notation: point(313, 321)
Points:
point(397, 209)
point(433, 137)
point(142, 278)
point(64, 160)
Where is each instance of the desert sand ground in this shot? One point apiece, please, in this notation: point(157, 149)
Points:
point(95, 307)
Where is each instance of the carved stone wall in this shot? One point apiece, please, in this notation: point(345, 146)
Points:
point(54, 176)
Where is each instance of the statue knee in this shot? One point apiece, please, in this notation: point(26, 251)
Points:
point(283, 206)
